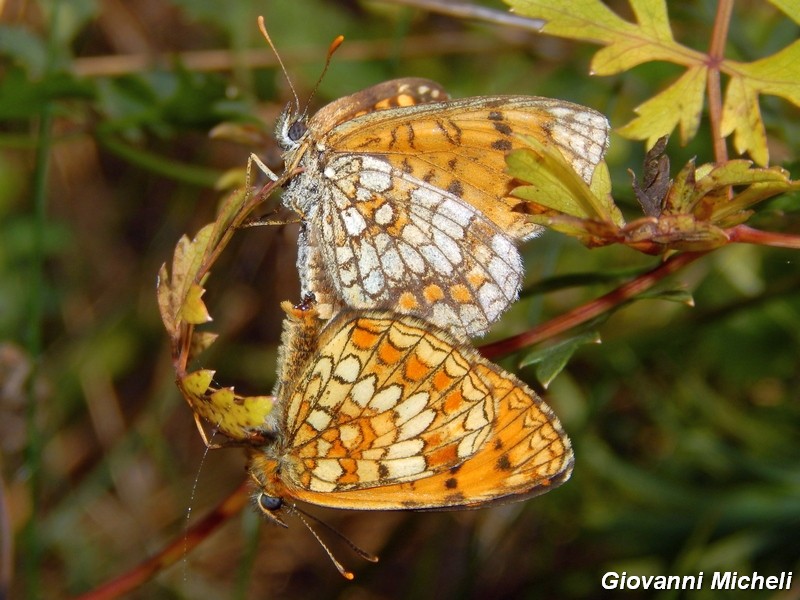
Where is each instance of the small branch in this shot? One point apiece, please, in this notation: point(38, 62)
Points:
point(591, 310)
point(175, 551)
point(466, 10)
point(743, 234)
point(224, 60)
point(716, 54)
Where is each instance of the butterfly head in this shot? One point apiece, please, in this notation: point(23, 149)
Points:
point(270, 506)
point(291, 128)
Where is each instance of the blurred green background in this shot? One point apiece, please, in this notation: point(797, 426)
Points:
point(685, 421)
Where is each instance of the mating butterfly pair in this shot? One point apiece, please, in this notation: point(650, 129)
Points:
point(408, 245)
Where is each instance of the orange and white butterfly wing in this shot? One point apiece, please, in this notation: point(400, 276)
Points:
point(295, 135)
point(393, 413)
point(378, 237)
point(461, 145)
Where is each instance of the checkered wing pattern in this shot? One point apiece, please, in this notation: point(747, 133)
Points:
point(392, 413)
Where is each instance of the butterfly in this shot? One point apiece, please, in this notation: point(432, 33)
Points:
point(383, 411)
point(404, 197)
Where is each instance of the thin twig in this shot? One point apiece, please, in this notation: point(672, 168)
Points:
point(225, 60)
point(174, 551)
point(743, 234)
point(716, 54)
point(466, 10)
point(590, 310)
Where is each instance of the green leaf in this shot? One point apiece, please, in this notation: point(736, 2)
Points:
point(24, 48)
point(679, 105)
point(791, 8)
point(626, 44)
point(777, 75)
point(555, 185)
point(552, 360)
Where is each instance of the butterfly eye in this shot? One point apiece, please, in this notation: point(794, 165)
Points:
point(269, 503)
point(296, 130)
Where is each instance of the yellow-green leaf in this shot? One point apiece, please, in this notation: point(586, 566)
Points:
point(741, 115)
point(194, 310)
point(555, 185)
point(173, 289)
point(197, 383)
point(238, 416)
point(678, 105)
point(790, 7)
point(626, 44)
point(777, 75)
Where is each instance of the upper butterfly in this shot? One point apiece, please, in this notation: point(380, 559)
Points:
point(405, 202)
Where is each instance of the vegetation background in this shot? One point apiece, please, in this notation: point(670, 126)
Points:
point(685, 421)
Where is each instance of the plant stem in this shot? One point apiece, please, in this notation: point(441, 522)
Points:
point(716, 53)
point(590, 310)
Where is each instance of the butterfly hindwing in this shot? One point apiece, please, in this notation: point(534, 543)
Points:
point(376, 237)
point(393, 413)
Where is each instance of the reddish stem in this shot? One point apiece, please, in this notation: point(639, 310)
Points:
point(174, 551)
point(743, 234)
point(592, 309)
point(716, 54)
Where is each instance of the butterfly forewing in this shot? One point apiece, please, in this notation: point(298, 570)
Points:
point(376, 169)
point(394, 413)
point(461, 144)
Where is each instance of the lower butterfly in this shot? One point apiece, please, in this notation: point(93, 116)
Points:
point(382, 411)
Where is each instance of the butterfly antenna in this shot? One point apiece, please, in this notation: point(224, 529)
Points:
point(302, 515)
point(263, 29)
point(331, 49)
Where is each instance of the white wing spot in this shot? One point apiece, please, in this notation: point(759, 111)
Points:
point(363, 391)
point(375, 181)
point(411, 406)
point(319, 419)
point(348, 369)
point(405, 448)
point(416, 425)
point(353, 221)
point(402, 468)
point(386, 398)
point(436, 259)
point(412, 258)
point(384, 215)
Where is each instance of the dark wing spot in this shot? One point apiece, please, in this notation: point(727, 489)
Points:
point(451, 483)
point(503, 128)
point(503, 463)
point(456, 189)
point(451, 499)
point(428, 177)
point(451, 164)
point(383, 471)
point(495, 116)
point(503, 145)
point(498, 444)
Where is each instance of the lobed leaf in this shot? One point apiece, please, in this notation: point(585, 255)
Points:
point(680, 105)
point(240, 418)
